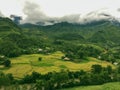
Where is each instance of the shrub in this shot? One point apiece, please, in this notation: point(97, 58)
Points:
point(40, 59)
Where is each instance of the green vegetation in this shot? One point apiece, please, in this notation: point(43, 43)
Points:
point(97, 39)
point(65, 78)
point(5, 61)
point(108, 86)
point(41, 55)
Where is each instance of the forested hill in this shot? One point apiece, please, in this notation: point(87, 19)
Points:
point(27, 38)
point(13, 40)
point(77, 41)
point(98, 31)
point(6, 22)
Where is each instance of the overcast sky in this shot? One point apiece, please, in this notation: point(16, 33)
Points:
point(57, 8)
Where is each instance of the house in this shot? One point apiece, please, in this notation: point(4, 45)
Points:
point(115, 63)
point(40, 50)
point(66, 59)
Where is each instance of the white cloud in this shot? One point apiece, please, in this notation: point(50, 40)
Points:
point(66, 7)
point(9, 7)
point(1, 15)
point(60, 10)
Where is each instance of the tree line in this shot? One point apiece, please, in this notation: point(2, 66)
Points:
point(65, 78)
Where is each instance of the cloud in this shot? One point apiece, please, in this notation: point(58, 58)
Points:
point(95, 16)
point(35, 15)
point(118, 9)
point(74, 18)
point(16, 18)
point(1, 15)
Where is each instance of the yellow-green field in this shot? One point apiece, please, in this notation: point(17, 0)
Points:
point(26, 64)
point(107, 86)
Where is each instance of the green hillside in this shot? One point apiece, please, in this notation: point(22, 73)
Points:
point(13, 40)
point(7, 24)
point(101, 31)
point(108, 86)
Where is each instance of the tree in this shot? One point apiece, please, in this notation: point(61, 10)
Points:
point(85, 79)
point(96, 79)
point(109, 69)
point(26, 79)
point(49, 85)
point(40, 85)
point(9, 49)
point(40, 59)
point(105, 76)
point(5, 80)
point(7, 63)
point(60, 78)
point(118, 69)
point(35, 76)
point(96, 68)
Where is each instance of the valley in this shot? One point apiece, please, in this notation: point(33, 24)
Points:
point(59, 56)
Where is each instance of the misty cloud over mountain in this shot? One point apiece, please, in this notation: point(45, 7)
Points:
point(1, 15)
point(35, 15)
point(16, 18)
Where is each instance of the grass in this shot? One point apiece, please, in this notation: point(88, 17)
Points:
point(107, 86)
point(62, 66)
point(26, 64)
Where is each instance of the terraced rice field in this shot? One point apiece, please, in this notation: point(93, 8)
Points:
point(26, 64)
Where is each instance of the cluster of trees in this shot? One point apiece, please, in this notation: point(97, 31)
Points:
point(82, 51)
point(111, 55)
point(9, 49)
point(5, 61)
point(65, 78)
point(78, 52)
point(15, 44)
point(108, 57)
point(6, 79)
